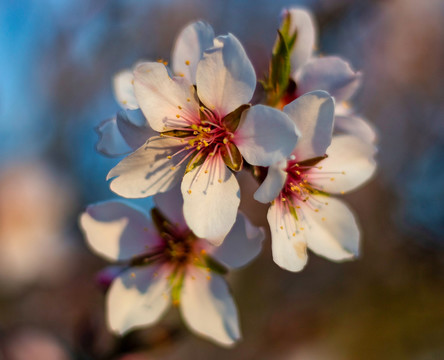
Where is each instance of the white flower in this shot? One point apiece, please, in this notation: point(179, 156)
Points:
point(168, 265)
point(329, 73)
point(303, 214)
point(128, 130)
point(204, 134)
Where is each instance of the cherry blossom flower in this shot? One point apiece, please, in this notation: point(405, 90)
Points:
point(168, 264)
point(206, 131)
point(302, 213)
point(128, 130)
point(330, 73)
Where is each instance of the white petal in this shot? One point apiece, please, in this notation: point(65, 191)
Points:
point(350, 163)
point(313, 114)
point(117, 231)
point(192, 41)
point(211, 199)
point(134, 128)
point(225, 77)
point(331, 74)
point(273, 183)
point(137, 298)
point(162, 98)
point(148, 171)
point(111, 143)
point(242, 244)
point(288, 246)
point(208, 308)
point(170, 204)
point(124, 90)
point(331, 232)
point(265, 135)
point(301, 21)
point(356, 126)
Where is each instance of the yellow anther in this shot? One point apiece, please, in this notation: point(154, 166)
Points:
point(181, 74)
point(320, 167)
point(332, 179)
point(187, 62)
point(225, 141)
point(172, 168)
point(188, 99)
point(294, 234)
point(326, 203)
point(176, 302)
point(124, 102)
point(282, 228)
point(189, 191)
point(169, 157)
point(220, 181)
point(195, 132)
point(208, 277)
point(160, 60)
point(205, 143)
point(193, 278)
point(203, 251)
point(342, 192)
point(202, 109)
point(178, 116)
point(180, 107)
point(208, 269)
point(194, 127)
point(206, 171)
point(132, 82)
point(283, 199)
point(165, 63)
point(133, 275)
point(323, 219)
point(298, 172)
point(298, 207)
point(302, 228)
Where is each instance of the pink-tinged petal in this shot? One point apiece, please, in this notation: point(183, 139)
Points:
point(117, 231)
point(331, 74)
point(134, 128)
point(137, 298)
point(301, 21)
point(170, 204)
point(265, 135)
point(273, 183)
point(356, 126)
point(124, 90)
point(331, 231)
point(111, 143)
point(350, 163)
point(148, 170)
point(211, 199)
point(313, 114)
point(288, 246)
point(166, 102)
point(208, 308)
point(192, 41)
point(225, 77)
point(242, 244)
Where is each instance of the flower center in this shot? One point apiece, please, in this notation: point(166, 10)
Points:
point(204, 135)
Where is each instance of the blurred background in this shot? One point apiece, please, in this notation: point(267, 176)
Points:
point(57, 58)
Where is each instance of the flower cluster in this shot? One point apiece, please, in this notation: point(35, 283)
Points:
point(188, 130)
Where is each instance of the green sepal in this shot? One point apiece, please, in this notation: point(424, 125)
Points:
point(177, 133)
point(280, 67)
point(196, 160)
point(162, 224)
point(232, 156)
point(176, 286)
point(231, 121)
point(214, 265)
